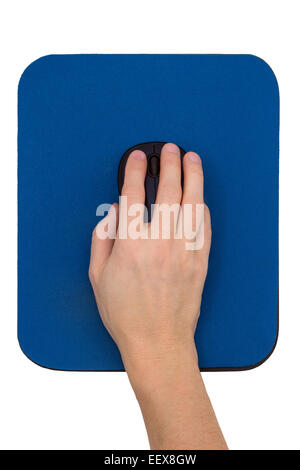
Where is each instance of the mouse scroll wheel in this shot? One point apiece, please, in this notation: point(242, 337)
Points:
point(153, 166)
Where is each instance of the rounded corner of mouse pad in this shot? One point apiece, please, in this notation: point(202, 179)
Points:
point(30, 355)
point(240, 365)
point(70, 110)
point(57, 361)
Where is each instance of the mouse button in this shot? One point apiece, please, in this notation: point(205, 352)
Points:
point(153, 166)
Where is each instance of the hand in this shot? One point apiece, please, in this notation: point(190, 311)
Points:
point(149, 291)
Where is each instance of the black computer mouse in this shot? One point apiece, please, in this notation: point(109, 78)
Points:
point(152, 151)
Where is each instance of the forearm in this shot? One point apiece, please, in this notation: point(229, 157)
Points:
point(173, 400)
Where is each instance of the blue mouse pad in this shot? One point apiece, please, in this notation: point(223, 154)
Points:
point(77, 115)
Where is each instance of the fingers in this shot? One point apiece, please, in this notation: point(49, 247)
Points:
point(102, 244)
point(192, 215)
point(193, 179)
point(134, 190)
point(168, 198)
point(134, 180)
point(169, 187)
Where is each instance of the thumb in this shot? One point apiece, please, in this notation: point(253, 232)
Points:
point(103, 239)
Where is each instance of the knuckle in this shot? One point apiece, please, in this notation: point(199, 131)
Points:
point(171, 191)
point(196, 170)
point(171, 160)
point(132, 190)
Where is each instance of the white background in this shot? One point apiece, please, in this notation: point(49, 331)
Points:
point(41, 409)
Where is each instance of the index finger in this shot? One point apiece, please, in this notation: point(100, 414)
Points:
point(134, 179)
point(133, 187)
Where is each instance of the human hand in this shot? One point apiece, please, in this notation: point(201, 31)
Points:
point(149, 291)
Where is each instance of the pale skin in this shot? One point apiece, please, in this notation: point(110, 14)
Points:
point(149, 294)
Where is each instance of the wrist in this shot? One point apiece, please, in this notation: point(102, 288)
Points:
point(157, 366)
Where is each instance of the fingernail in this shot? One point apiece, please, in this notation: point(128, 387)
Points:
point(138, 155)
point(172, 148)
point(194, 157)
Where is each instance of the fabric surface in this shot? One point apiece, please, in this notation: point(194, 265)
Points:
point(77, 116)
